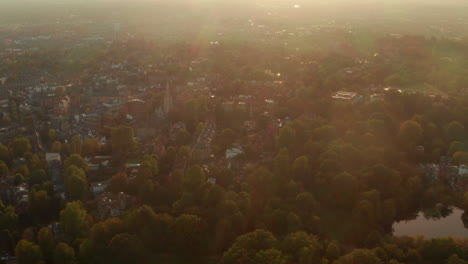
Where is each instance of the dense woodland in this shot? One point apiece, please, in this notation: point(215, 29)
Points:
point(337, 176)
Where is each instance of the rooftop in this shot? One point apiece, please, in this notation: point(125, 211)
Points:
point(344, 95)
point(52, 157)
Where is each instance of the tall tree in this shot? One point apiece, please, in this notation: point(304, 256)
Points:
point(122, 139)
point(410, 132)
point(283, 164)
point(19, 146)
point(194, 179)
point(127, 248)
point(270, 256)
point(3, 168)
point(78, 161)
point(64, 254)
point(246, 247)
point(189, 234)
point(39, 176)
point(46, 242)
point(56, 147)
point(295, 243)
point(27, 252)
point(455, 259)
point(76, 184)
point(455, 131)
point(90, 147)
point(287, 138)
point(73, 221)
point(333, 250)
point(4, 153)
point(301, 168)
point(76, 145)
point(40, 206)
point(51, 135)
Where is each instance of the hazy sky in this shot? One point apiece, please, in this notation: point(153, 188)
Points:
point(292, 1)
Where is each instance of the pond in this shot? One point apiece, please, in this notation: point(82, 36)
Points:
point(430, 225)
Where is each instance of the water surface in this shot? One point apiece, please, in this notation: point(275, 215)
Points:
point(452, 225)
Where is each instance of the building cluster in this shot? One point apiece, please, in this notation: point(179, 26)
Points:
point(455, 176)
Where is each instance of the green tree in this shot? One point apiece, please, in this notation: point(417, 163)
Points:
point(8, 227)
point(126, 248)
point(90, 147)
point(246, 247)
point(4, 153)
point(410, 132)
point(3, 168)
point(301, 168)
point(270, 256)
point(40, 205)
point(76, 187)
point(305, 202)
point(154, 230)
point(78, 161)
point(122, 139)
point(8, 217)
point(344, 190)
point(150, 162)
point(73, 221)
point(364, 213)
point(184, 153)
point(23, 170)
point(194, 179)
point(282, 222)
point(333, 250)
point(455, 131)
point(64, 254)
point(51, 135)
point(359, 256)
point(287, 138)
point(76, 184)
point(56, 147)
point(167, 160)
point(27, 252)
point(438, 249)
point(260, 180)
point(189, 234)
point(283, 164)
point(325, 133)
point(295, 243)
point(46, 242)
point(19, 179)
point(455, 259)
point(38, 176)
point(19, 146)
point(37, 162)
point(76, 145)
point(199, 128)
